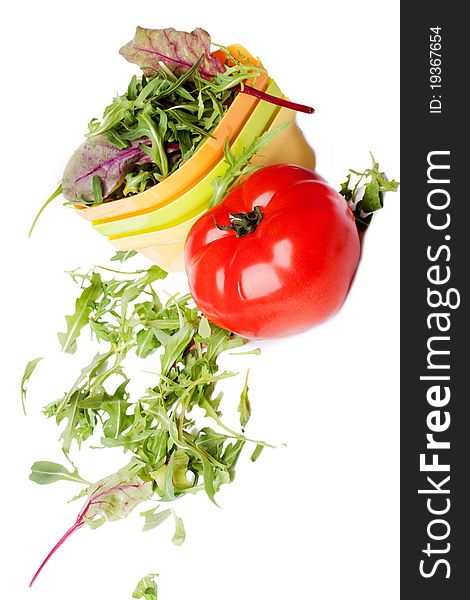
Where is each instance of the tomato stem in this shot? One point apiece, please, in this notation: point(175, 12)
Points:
point(242, 223)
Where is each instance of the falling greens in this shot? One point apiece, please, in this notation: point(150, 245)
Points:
point(154, 519)
point(123, 255)
point(29, 370)
point(147, 588)
point(173, 448)
point(83, 306)
point(244, 407)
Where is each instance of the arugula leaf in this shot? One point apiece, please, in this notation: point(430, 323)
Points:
point(244, 407)
point(53, 196)
point(180, 470)
point(371, 200)
point(209, 478)
point(123, 255)
point(345, 190)
point(147, 588)
point(78, 427)
point(83, 308)
point(254, 352)
point(176, 345)
point(204, 329)
point(366, 197)
point(116, 408)
point(154, 519)
point(259, 448)
point(240, 165)
point(180, 534)
point(146, 342)
point(29, 369)
point(168, 485)
point(44, 472)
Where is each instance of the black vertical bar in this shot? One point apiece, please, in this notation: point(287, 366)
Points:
point(435, 259)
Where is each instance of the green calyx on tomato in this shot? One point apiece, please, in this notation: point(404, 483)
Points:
point(242, 223)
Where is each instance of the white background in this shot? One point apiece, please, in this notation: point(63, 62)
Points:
point(317, 518)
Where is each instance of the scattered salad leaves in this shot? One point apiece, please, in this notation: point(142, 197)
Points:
point(204, 328)
point(244, 407)
point(180, 534)
point(83, 307)
point(147, 588)
point(174, 449)
point(255, 352)
point(366, 197)
point(29, 370)
point(154, 519)
point(44, 472)
point(259, 448)
point(123, 255)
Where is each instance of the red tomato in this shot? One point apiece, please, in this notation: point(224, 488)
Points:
point(291, 271)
